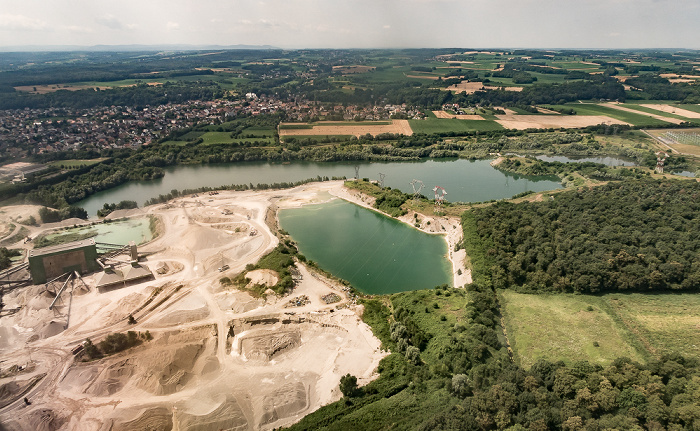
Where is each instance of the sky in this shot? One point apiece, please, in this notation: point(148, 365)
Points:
point(293, 24)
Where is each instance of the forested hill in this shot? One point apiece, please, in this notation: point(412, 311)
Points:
point(628, 236)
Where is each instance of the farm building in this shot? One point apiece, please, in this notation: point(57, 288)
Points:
point(50, 262)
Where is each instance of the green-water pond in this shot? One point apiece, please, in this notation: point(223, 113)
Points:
point(375, 253)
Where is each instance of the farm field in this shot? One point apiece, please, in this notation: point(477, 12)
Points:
point(563, 327)
point(351, 128)
point(636, 119)
point(438, 125)
point(659, 111)
point(667, 323)
point(50, 88)
point(660, 116)
point(539, 121)
point(692, 108)
point(682, 111)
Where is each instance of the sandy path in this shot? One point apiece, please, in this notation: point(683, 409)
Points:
point(634, 111)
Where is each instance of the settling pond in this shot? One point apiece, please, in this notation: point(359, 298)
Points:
point(464, 180)
point(116, 232)
point(375, 253)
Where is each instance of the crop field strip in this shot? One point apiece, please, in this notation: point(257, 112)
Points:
point(595, 109)
point(648, 110)
point(438, 125)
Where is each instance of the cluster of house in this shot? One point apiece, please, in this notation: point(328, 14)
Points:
point(305, 111)
point(36, 131)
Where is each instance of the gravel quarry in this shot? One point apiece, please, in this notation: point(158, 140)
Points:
point(217, 357)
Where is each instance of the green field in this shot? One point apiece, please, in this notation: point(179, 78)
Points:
point(665, 323)
point(561, 327)
point(438, 125)
point(628, 117)
point(259, 132)
point(213, 138)
point(225, 80)
point(295, 126)
point(574, 65)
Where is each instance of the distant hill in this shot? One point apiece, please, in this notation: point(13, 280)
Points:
point(170, 47)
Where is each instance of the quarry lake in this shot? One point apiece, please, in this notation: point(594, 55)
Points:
point(375, 253)
point(464, 180)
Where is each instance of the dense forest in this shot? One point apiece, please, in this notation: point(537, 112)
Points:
point(627, 236)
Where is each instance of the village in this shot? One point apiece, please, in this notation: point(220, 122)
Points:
point(40, 131)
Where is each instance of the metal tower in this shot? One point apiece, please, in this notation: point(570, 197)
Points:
point(381, 179)
point(660, 160)
point(357, 172)
point(439, 198)
point(417, 187)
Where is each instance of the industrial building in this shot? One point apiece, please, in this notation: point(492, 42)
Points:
point(50, 262)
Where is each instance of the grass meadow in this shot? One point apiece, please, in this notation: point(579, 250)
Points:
point(565, 327)
point(665, 323)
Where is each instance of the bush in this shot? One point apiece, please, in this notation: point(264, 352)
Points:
point(348, 386)
point(413, 355)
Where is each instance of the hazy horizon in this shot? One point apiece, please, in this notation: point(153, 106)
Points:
point(358, 24)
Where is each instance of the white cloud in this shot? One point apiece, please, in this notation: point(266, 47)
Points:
point(20, 22)
point(77, 29)
point(172, 25)
point(110, 21)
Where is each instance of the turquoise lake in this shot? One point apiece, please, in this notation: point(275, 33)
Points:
point(375, 253)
